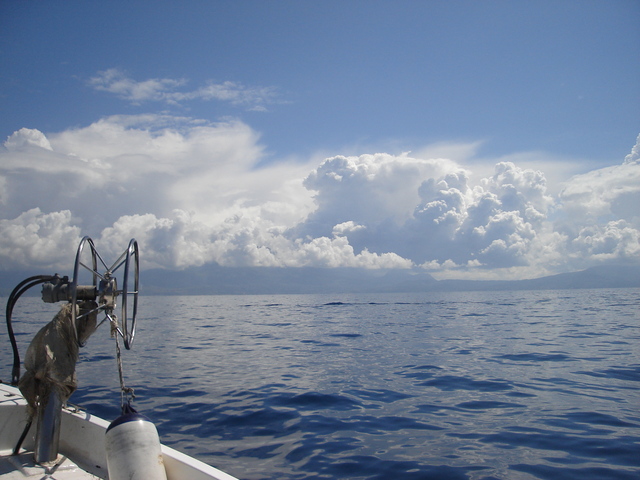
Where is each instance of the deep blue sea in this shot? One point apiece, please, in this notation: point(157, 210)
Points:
point(475, 385)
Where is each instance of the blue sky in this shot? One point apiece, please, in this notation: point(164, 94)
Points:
point(478, 139)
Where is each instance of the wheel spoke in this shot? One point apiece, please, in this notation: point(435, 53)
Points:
point(94, 272)
point(118, 263)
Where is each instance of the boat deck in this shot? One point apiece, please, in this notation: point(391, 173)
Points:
point(19, 467)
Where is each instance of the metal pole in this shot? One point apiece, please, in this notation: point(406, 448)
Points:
point(48, 427)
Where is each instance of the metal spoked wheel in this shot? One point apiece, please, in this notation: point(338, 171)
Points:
point(85, 286)
point(85, 261)
point(130, 286)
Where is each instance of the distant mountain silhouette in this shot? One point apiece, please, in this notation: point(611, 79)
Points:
point(214, 279)
point(596, 277)
point(265, 280)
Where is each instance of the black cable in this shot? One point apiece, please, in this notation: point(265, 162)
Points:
point(27, 427)
point(13, 298)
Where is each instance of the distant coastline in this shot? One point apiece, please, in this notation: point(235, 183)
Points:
point(216, 280)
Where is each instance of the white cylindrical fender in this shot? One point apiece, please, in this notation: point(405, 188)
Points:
point(133, 449)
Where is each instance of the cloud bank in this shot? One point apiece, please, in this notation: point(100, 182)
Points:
point(194, 192)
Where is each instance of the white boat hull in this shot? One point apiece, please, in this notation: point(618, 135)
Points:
point(82, 447)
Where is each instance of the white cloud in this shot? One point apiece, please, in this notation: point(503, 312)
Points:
point(172, 91)
point(337, 252)
point(343, 228)
point(37, 239)
point(25, 137)
point(617, 240)
point(193, 192)
point(253, 97)
point(131, 164)
point(116, 82)
point(369, 189)
point(634, 156)
point(522, 190)
point(178, 241)
point(557, 169)
point(430, 212)
point(611, 193)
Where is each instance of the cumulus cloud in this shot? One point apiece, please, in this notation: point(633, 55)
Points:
point(194, 192)
point(426, 210)
point(369, 189)
point(25, 137)
point(191, 194)
point(634, 156)
point(128, 165)
point(37, 239)
point(617, 240)
point(507, 223)
point(174, 91)
point(606, 194)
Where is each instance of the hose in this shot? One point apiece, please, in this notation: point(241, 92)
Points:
point(13, 298)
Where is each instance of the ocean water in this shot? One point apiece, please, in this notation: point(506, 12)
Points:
point(475, 385)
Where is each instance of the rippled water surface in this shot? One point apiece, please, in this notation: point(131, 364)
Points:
point(482, 385)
